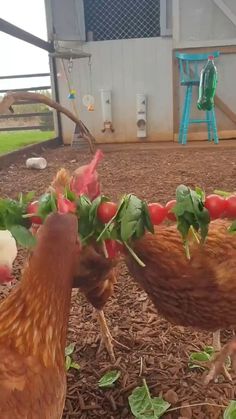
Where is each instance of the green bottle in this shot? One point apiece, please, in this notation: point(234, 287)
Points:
point(207, 86)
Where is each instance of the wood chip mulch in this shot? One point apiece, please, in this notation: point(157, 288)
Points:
point(157, 351)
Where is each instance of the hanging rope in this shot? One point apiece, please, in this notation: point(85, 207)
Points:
point(90, 76)
point(68, 76)
point(91, 105)
point(88, 99)
point(82, 131)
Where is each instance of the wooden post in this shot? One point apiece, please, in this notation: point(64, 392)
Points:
point(176, 95)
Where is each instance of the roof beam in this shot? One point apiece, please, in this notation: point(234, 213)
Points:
point(226, 10)
point(19, 33)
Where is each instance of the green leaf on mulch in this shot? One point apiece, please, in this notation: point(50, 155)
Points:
point(143, 406)
point(108, 380)
point(230, 412)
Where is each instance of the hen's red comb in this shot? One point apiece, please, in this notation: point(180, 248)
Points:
point(81, 182)
point(91, 167)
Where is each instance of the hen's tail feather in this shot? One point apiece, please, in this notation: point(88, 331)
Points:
point(61, 180)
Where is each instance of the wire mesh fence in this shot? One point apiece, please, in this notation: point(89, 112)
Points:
point(122, 19)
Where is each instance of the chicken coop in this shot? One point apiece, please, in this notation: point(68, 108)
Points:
point(131, 73)
point(114, 64)
point(125, 295)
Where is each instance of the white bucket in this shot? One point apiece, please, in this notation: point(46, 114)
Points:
point(36, 163)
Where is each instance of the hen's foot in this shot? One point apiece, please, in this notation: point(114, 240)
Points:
point(212, 373)
point(217, 366)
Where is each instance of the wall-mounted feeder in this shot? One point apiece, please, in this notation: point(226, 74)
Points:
point(141, 115)
point(106, 110)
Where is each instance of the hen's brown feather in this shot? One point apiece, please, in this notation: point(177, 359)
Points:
point(28, 389)
point(200, 292)
point(34, 323)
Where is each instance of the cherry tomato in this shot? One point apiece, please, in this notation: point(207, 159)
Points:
point(157, 213)
point(230, 210)
point(64, 205)
point(113, 248)
point(216, 206)
point(32, 208)
point(170, 215)
point(106, 211)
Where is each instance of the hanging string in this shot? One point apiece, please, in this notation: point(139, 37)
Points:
point(70, 67)
point(68, 76)
point(91, 105)
point(90, 76)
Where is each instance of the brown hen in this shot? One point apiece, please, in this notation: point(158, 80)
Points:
point(96, 276)
point(200, 292)
point(34, 320)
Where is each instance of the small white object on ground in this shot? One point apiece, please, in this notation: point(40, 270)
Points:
point(36, 163)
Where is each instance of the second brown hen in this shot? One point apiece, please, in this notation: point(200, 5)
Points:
point(96, 276)
point(200, 292)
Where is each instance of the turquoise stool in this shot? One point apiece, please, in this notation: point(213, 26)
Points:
point(189, 77)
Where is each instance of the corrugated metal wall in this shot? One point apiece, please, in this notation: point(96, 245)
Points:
point(144, 65)
point(126, 67)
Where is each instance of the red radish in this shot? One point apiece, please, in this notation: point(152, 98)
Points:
point(5, 275)
point(170, 215)
point(113, 248)
point(32, 208)
point(106, 211)
point(230, 207)
point(216, 206)
point(157, 213)
point(64, 205)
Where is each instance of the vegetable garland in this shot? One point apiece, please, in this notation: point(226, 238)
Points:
point(117, 226)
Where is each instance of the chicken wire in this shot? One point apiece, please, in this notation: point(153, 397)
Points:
point(122, 19)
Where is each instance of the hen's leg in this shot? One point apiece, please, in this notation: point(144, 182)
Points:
point(218, 364)
point(107, 338)
point(106, 335)
point(216, 341)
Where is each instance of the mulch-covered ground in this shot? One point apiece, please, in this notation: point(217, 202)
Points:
point(157, 351)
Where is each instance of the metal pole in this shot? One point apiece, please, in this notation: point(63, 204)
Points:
point(57, 96)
